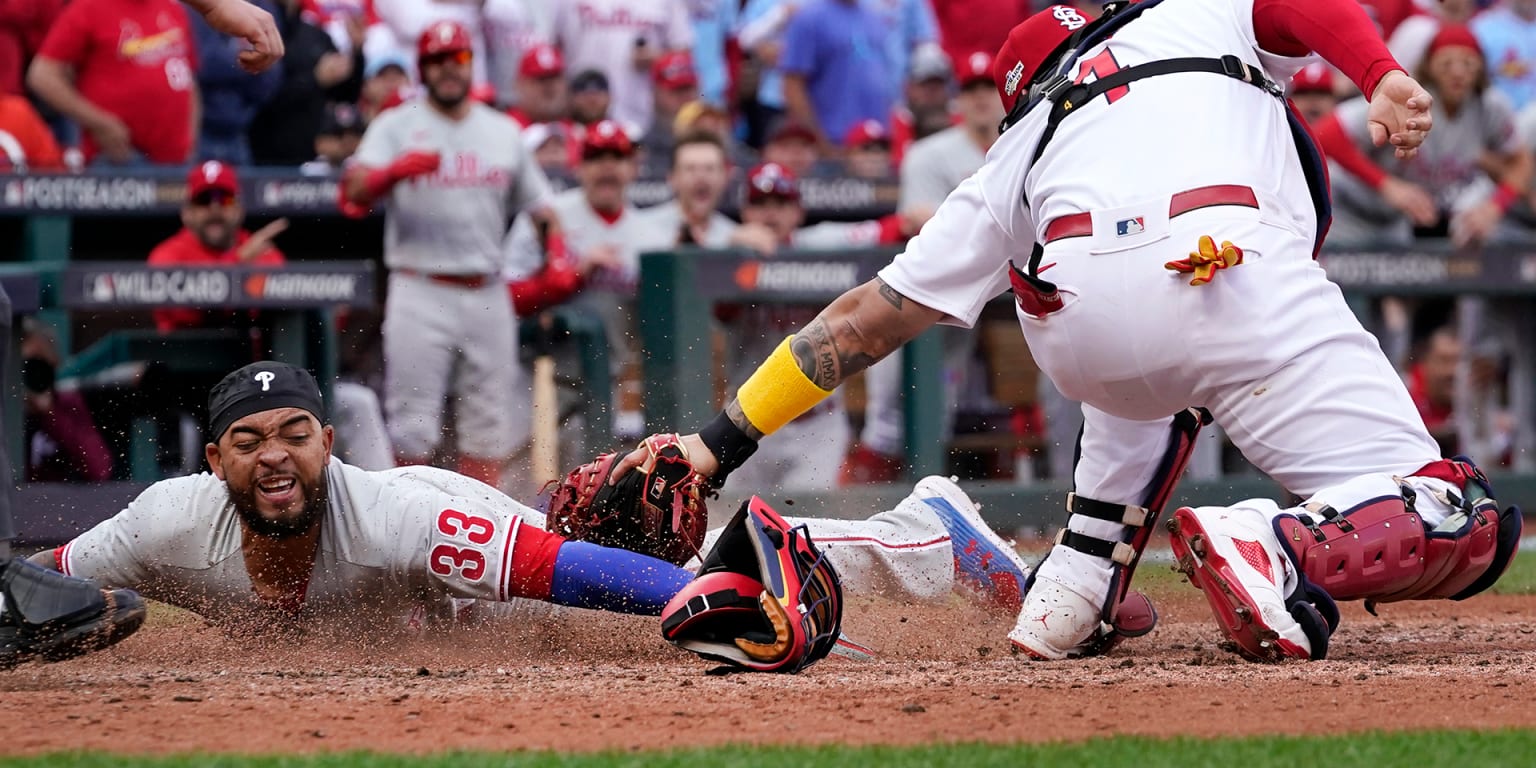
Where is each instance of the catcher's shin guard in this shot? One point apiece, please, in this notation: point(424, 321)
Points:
point(766, 599)
point(1380, 550)
point(1125, 613)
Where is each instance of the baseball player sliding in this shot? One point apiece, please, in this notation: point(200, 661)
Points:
point(1155, 207)
point(283, 531)
point(453, 171)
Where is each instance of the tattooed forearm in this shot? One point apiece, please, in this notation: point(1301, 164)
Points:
point(739, 418)
point(890, 295)
point(816, 355)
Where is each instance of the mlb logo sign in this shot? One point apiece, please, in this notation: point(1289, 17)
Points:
point(1128, 227)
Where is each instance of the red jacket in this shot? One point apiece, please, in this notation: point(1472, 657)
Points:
point(184, 250)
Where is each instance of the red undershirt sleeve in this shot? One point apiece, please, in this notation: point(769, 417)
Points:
point(1337, 30)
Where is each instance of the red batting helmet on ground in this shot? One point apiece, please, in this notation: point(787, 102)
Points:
point(1031, 45)
point(443, 37)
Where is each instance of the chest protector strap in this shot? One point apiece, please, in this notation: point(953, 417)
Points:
point(1065, 97)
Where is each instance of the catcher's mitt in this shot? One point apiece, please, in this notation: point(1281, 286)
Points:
point(657, 509)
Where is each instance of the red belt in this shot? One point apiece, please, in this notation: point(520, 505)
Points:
point(1081, 224)
point(460, 281)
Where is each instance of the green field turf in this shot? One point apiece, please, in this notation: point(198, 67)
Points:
point(1520, 579)
point(1433, 748)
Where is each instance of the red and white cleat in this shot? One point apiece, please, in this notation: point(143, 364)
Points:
point(1232, 555)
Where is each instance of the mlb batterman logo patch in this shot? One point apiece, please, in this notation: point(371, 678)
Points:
point(1011, 82)
point(1132, 226)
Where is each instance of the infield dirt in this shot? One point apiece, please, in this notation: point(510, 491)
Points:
point(583, 681)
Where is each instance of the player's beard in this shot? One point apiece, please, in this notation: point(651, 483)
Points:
point(316, 499)
point(448, 101)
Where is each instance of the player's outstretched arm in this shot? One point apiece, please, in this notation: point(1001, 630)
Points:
point(852, 333)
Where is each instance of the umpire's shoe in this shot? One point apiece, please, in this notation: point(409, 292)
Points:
point(47, 615)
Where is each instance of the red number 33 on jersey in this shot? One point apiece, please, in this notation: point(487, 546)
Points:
point(1102, 65)
point(466, 562)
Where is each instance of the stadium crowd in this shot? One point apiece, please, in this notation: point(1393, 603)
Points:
point(732, 103)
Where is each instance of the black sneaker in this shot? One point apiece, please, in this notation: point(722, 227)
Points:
point(47, 615)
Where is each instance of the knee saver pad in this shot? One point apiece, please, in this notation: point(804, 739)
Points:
point(1376, 548)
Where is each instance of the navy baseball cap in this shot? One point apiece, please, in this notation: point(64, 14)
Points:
point(261, 387)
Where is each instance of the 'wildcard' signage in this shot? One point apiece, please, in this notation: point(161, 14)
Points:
point(133, 285)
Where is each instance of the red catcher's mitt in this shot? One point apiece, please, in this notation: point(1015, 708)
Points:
point(657, 509)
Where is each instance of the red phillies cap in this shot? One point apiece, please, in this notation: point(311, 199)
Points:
point(212, 176)
point(674, 69)
point(867, 132)
point(605, 136)
point(1313, 78)
point(542, 60)
point(1028, 47)
point(973, 68)
point(443, 37)
point(771, 180)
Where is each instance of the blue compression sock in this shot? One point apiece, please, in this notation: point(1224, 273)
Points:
point(589, 576)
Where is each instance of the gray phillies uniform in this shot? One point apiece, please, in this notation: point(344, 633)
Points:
point(804, 454)
point(664, 223)
point(1445, 166)
point(394, 546)
point(608, 296)
point(931, 169)
point(420, 545)
point(444, 338)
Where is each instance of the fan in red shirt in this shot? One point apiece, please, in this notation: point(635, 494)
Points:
point(125, 70)
point(211, 234)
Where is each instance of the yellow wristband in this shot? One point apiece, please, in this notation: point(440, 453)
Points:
point(778, 391)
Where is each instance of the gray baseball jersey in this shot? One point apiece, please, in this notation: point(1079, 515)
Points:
point(390, 543)
point(1446, 165)
point(666, 222)
point(452, 221)
point(934, 166)
point(609, 293)
point(602, 35)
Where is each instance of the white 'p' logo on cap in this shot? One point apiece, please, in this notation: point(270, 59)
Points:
point(265, 377)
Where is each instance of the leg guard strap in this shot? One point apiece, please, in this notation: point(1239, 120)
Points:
point(1380, 550)
point(1140, 521)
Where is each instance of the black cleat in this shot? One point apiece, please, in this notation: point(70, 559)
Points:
point(49, 616)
